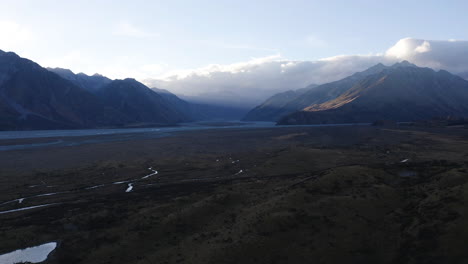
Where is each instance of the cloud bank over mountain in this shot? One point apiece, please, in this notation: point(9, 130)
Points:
point(248, 83)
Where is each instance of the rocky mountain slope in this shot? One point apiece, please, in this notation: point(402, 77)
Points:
point(190, 111)
point(91, 83)
point(32, 97)
point(286, 103)
point(402, 92)
point(277, 106)
point(141, 104)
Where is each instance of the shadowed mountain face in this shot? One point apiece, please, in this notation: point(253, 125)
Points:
point(202, 111)
point(277, 106)
point(402, 92)
point(99, 84)
point(32, 97)
point(286, 103)
point(91, 83)
point(188, 110)
point(141, 104)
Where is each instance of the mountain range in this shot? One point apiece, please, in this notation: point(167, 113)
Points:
point(90, 83)
point(33, 97)
point(278, 105)
point(188, 110)
point(401, 92)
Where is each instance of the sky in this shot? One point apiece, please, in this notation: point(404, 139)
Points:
point(229, 48)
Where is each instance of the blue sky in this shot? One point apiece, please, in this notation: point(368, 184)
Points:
point(188, 34)
point(151, 39)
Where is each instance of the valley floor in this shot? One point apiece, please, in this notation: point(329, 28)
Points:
point(354, 194)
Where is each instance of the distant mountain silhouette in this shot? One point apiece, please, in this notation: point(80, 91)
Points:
point(32, 97)
point(141, 104)
point(286, 103)
point(203, 111)
point(277, 106)
point(189, 111)
point(402, 92)
point(91, 83)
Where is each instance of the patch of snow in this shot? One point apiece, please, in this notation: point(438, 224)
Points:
point(120, 182)
point(95, 186)
point(149, 175)
point(37, 185)
point(241, 171)
point(130, 188)
point(48, 194)
point(31, 255)
point(34, 196)
point(27, 208)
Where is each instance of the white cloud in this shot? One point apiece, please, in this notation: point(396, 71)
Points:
point(253, 81)
point(127, 29)
point(425, 47)
point(250, 82)
point(450, 55)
